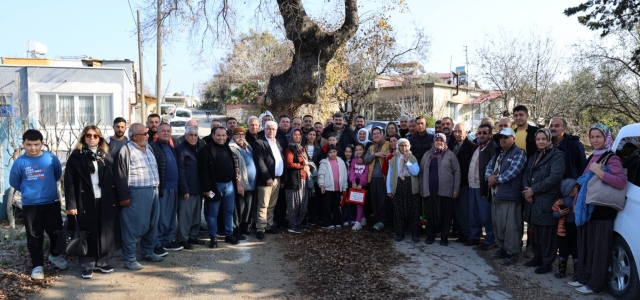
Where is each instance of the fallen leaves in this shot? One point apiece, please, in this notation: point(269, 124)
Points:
point(343, 264)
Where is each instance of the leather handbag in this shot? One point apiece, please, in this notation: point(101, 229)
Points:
point(72, 242)
point(602, 194)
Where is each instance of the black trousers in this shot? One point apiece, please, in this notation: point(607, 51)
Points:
point(595, 240)
point(544, 242)
point(331, 214)
point(568, 244)
point(37, 220)
point(314, 206)
point(280, 213)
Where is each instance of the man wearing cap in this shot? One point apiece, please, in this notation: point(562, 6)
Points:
point(504, 176)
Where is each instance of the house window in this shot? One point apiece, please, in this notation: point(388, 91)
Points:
point(5, 105)
point(75, 110)
point(453, 111)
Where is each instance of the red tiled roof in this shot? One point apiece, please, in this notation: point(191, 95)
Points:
point(487, 97)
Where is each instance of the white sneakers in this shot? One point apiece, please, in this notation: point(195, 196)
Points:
point(59, 261)
point(37, 273)
point(357, 226)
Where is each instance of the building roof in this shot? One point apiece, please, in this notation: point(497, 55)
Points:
point(486, 97)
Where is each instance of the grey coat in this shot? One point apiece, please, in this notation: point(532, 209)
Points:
point(544, 180)
point(448, 175)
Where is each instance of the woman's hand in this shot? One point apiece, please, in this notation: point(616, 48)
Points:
point(596, 168)
point(528, 192)
point(564, 212)
point(529, 199)
point(240, 189)
point(360, 161)
point(72, 212)
point(390, 195)
point(381, 154)
point(306, 168)
point(322, 189)
point(359, 187)
point(354, 185)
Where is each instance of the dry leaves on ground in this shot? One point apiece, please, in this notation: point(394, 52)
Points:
point(15, 269)
point(345, 264)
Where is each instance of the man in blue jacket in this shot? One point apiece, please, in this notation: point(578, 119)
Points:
point(35, 174)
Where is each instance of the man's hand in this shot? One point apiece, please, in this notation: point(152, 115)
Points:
point(564, 212)
point(528, 192)
point(125, 203)
point(322, 189)
point(72, 212)
point(270, 182)
point(455, 195)
point(390, 195)
point(492, 180)
point(186, 197)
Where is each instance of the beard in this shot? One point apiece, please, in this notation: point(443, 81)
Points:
point(119, 134)
point(446, 131)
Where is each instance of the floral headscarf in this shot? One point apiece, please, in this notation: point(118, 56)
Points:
point(548, 146)
point(608, 138)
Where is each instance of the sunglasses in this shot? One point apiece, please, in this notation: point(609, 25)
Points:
point(89, 135)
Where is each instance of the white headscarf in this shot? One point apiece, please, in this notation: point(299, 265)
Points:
point(366, 140)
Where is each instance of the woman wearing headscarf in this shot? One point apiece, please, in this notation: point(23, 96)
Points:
point(541, 182)
point(377, 196)
point(296, 160)
point(403, 188)
point(363, 138)
point(439, 184)
point(595, 223)
point(90, 197)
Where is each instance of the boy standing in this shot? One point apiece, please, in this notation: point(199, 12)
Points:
point(35, 174)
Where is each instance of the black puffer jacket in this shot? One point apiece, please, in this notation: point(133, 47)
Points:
point(161, 159)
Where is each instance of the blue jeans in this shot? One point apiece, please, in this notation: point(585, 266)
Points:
point(139, 220)
point(479, 216)
point(227, 206)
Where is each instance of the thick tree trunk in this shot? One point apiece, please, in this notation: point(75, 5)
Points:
point(314, 48)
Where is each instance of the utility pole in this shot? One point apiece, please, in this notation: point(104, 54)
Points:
point(143, 104)
point(466, 59)
point(159, 56)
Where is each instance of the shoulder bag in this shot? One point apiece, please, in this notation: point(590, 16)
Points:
point(72, 242)
point(602, 194)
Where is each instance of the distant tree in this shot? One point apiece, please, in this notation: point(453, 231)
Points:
point(609, 16)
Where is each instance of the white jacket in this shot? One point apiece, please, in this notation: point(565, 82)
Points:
point(325, 175)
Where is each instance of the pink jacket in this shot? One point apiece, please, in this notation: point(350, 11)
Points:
point(358, 172)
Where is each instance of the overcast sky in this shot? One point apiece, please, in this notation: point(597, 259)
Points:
point(107, 31)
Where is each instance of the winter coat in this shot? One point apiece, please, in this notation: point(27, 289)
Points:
point(448, 175)
point(544, 180)
point(346, 137)
point(464, 159)
point(104, 236)
point(574, 156)
point(294, 165)
point(188, 180)
point(161, 159)
point(265, 162)
point(325, 176)
point(420, 144)
point(485, 157)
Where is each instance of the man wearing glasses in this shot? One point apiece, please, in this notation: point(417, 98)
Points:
point(479, 197)
point(136, 180)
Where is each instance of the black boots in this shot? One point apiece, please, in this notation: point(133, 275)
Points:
point(562, 269)
point(213, 243)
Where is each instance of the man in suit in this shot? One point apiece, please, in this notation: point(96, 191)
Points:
point(270, 167)
point(463, 149)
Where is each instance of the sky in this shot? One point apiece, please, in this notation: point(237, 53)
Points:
point(106, 30)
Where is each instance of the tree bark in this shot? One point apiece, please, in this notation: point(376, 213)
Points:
point(314, 48)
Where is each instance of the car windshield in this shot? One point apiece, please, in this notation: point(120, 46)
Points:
point(183, 114)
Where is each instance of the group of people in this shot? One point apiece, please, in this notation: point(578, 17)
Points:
point(296, 173)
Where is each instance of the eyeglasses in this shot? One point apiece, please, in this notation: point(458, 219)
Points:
point(89, 135)
point(483, 132)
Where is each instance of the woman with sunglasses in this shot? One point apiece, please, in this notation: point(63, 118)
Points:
point(90, 197)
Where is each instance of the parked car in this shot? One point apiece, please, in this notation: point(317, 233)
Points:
point(373, 124)
point(623, 277)
point(182, 116)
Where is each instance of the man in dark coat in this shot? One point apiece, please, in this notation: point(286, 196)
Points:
point(422, 141)
point(479, 196)
point(167, 162)
point(404, 126)
point(283, 138)
point(574, 155)
point(447, 128)
point(463, 149)
point(344, 133)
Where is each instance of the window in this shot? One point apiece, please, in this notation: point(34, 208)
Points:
point(629, 152)
point(76, 110)
point(453, 111)
point(183, 114)
point(5, 105)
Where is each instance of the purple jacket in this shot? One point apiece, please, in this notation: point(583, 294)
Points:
point(358, 172)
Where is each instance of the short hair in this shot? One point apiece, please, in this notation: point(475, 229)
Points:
point(271, 123)
point(251, 119)
point(332, 147)
point(450, 119)
point(135, 129)
point(119, 120)
point(421, 118)
point(404, 117)
point(338, 115)
point(564, 121)
point(438, 122)
point(163, 124)
point(318, 123)
point(412, 120)
point(505, 118)
point(189, 129)
point(485, 125)
point(521, 108)
point(218, 128)
point(296, 118)
point(487, 120)
point(307, 116)
point(332, 134)
point(360, 117)
point(153, 116)
point(32, 135)
point(283, 116)
point(229, 119)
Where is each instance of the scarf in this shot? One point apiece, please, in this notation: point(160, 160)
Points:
point(584, 211)
point(366, 139)
point(438, 153)
point(562, 231)
point(608, 138)
point(90, 157)
point(297, 147)
point(548, 146)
